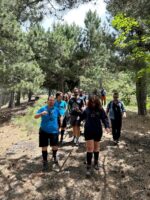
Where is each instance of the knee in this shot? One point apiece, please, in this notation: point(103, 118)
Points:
point(54, 147)
point(89, 148)
point(44, 148)
point(96, 147)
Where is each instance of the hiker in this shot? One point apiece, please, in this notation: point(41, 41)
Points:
point(116, 111)
point(95, 92)
point(82, 96)
point(103, 96)
point(67, 116)
point(49, 129)
point(75, 107)
point(62, 106)
point(93, 115)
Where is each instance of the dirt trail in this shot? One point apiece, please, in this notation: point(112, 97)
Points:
point(124, 172)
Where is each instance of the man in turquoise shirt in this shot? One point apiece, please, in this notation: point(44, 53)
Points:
point(49, 129)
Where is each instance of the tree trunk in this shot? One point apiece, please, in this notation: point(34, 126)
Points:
point(49, 92)
point(141, 94)
point(62, 84)
point(30, 96)
point(18, 98)
point(12, 100)
point(100, 83)
point(1, 97)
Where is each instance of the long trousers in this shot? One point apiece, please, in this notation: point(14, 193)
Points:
point(116, 128)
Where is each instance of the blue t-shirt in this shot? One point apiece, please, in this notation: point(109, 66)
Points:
point(62, 106)
point(49, 122)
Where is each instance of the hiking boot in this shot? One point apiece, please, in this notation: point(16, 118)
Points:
point(88, 171)
point(74, 139)
point(55, 160)
point(61, 142)
point(77, 142)
point(45, 166)
point(96, 167)
point(116, 142)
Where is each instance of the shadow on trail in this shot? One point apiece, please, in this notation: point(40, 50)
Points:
point(117, 179)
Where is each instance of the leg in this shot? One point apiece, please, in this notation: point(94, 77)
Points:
point(96, 152)
point(63, 128)
point(118, 132)
point(72, 123)
point(77, 134)
point(89, 150)
point(96, 155)
point(43, 143)
point(54, 145)
point(44, 155)
point(77, 131)
point(55, 149)
point(62, 134)
point(74, 133)
point(113, 125)
point(104, 100)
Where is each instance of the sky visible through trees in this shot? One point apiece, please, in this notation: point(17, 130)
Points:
point(77, 15)
point(64, 55)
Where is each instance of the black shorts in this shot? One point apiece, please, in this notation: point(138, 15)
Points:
point(93, 136)
point(47, 138)
point(74, 120)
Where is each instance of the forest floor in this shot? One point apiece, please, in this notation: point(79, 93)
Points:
point(124, 173)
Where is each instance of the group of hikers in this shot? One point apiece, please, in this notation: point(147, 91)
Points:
point(75, 108)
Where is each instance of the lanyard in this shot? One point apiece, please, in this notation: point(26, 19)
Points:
point(50, 113)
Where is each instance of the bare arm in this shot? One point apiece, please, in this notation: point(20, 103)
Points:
point(123, 110)
point(40, 114)
point(107, 109)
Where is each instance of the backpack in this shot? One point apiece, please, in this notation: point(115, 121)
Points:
point(116, 110)
point(103, 92)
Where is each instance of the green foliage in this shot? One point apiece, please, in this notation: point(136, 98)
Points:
point(65, 56)
point(133, 38)
point(55, 52)
point(19, 71)
point(133, 8)
point(96, 52)
point(132, 41)
point(125, 25)
point(123, 82)
point(148, 104)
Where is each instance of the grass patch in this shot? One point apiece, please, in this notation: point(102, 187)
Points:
point(27, 123)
